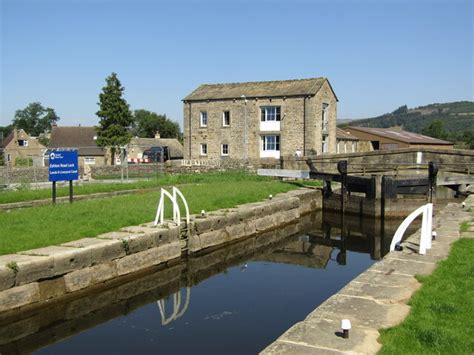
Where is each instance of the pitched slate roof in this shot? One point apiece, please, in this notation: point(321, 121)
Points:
point(341, 134)
point(258, 89)
point(400, 135)
point(174, 146)
point(81, 138)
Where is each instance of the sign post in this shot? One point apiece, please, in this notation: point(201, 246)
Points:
point(63, 166)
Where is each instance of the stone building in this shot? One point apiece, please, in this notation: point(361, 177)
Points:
point(396, 138)
point(84, 139)
point(19, 148)
point(346, 142)
point(257, 120)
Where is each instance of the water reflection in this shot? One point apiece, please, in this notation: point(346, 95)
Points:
point(247, 274)
point(177, 311)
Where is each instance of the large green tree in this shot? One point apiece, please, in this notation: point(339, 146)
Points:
point(35, 119)
point(146, 124)
point(4, 132)
point(115, 116)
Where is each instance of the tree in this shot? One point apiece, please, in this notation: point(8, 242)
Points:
point(146, 124)
point(468, 138)
point(115, 117)
point(4, 132)
point(435, 129)
point(35, 119)
point(401, 110)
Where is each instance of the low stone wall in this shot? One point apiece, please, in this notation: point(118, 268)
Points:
point(26, 175)
point(447, 159)
point(46, 273)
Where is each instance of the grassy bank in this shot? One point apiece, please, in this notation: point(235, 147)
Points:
point(441, 319)
point(41, 226)
point(27, 194)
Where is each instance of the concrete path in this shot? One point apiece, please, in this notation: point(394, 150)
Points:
point(377, 298)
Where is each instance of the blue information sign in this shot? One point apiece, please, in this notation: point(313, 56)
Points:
point(63, 165)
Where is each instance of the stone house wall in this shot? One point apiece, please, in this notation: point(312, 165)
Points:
point(300, 125)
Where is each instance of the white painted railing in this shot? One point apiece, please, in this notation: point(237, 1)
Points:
point(159, 218)
point(176, 307)
point(426, 228)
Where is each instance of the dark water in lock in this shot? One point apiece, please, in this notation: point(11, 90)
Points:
point(236, 299)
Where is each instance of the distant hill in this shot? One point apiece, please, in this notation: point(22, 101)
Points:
point(343, 121)
point(453, 121)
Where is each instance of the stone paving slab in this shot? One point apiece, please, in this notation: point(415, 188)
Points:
point(29, 268)
point(467, 234)
point(406, 267)
point(325, 334)
point(102, 250)
point(407, 254)
point(65, 259)
point(389, 294)
point(386, 279)
point(363, 312)
point(282, 347)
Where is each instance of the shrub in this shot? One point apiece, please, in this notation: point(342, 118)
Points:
point(20, 161)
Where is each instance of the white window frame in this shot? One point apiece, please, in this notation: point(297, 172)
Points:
point(89, 160)
point(203, 119)
point(203, 149)
point(325, 117)
point(223, 153)
point(224, 123)
point(267, 114)
point(325, 144)
point(9, 157)
point(25, 143)
point(270, 117)
point(270, 146)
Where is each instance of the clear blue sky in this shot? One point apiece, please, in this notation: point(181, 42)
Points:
point(378, 55)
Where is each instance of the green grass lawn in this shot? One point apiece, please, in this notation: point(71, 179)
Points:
point(28, 228)
point(441, 320)
point(27, 194)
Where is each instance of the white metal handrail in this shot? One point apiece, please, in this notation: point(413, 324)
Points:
point(177, 192)
point(176, 210)
point(426, 228)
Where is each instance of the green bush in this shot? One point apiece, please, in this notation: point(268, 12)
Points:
point(19, 161)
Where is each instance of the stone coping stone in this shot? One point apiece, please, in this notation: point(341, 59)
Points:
point(114, 235)
point(324, 334)
point(406, 267)
point(362, 311)
point(29, 268)
point(102, 250)
point(387, 294)
point(410, 255)
point(282, 347)
point(388, 280)
point(66, 259)
point(158, 235)
point(148, 258)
